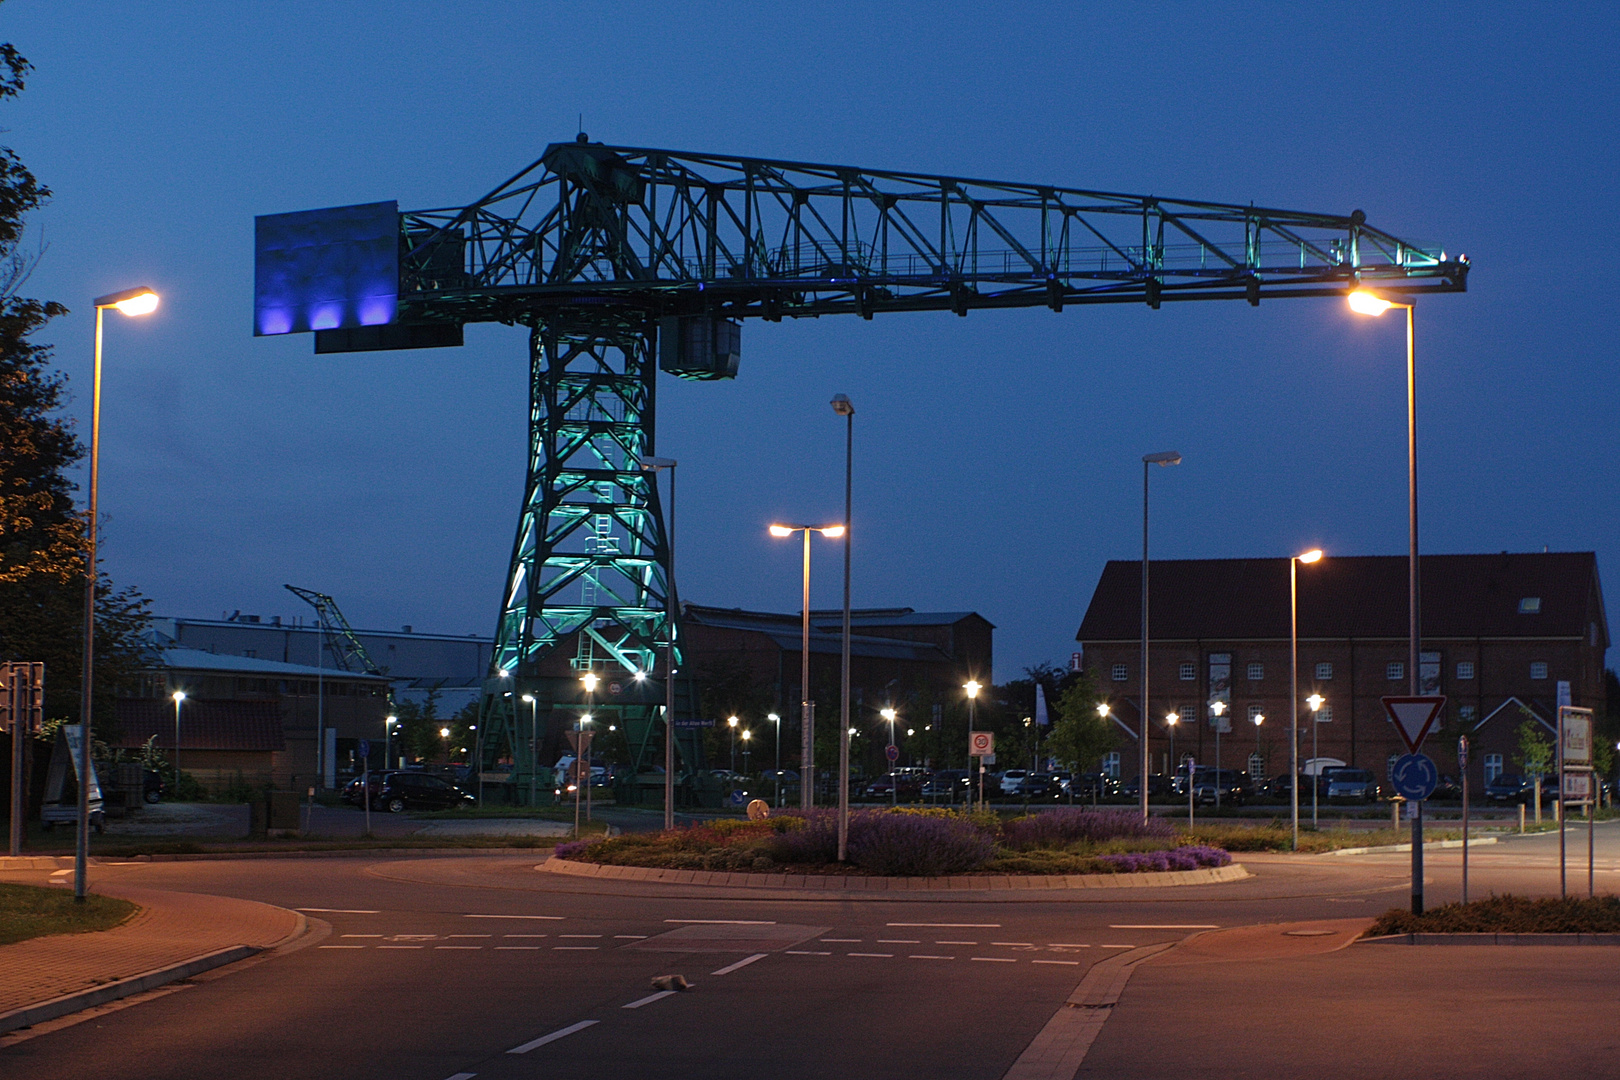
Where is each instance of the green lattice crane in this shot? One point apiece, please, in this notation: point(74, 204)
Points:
point(622, 261)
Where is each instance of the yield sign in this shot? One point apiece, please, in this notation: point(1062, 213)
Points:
point(1414, 716)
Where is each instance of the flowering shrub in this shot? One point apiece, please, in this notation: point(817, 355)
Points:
point(1062, 827)
point(910, 845)
point(1182, 858)
point(571, 848)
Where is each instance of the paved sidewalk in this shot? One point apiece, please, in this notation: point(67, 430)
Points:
point(170, 928)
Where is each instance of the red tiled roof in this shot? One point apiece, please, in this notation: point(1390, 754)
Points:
point(1349, 596)
point(204, 724)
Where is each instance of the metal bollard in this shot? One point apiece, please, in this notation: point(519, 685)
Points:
point(1521, 819)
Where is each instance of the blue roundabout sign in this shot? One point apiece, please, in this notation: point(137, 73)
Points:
point(1415, 776)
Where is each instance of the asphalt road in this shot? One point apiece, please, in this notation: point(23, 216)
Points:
point(445, 967)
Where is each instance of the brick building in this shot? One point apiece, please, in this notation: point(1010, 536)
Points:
point(1502, 637)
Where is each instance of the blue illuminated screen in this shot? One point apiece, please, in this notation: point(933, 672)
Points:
point(329, 269)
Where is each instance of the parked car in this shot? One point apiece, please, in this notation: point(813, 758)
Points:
point(1095, 787)
point(1515, 788)
point(1234, 787)
point(1040, 785)
point(351, 790)
point(903, 785)
point(152, 786)
point(948, 784)
point(401, 791)
point(1354, 785)
point(1447, 788)
point(1159, 786)
point(1009, 780)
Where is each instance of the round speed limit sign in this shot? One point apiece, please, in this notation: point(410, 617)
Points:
point(981, 743)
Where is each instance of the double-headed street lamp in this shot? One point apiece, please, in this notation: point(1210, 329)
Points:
point(1164, 458)
point(1314, 555)
point(141, 301)
point(807, 779)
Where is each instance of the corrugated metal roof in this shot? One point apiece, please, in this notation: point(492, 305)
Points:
point(197, 660)
point(1349, 596)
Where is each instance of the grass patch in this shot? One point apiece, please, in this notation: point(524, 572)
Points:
point(1507, 914)
point(27, 911)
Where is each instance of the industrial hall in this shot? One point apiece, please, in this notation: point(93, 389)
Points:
point(1506, 638)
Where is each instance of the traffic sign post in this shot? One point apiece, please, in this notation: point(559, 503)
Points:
point(22, 707)
point(1462, 769)
point(1414, 717)
point(1575, 786)
point(891, 752)
point(981, 744)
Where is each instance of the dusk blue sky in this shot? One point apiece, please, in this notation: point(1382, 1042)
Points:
point(997, 456)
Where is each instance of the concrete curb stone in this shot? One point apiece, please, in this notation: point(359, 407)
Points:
point(1493, 939)
point(29, 1015)
point(857, 883)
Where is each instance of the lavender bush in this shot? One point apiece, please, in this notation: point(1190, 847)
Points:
point(815, 842)
point(569, 849)
point(1182, 858)
point(1062, 827)
point(911, 845)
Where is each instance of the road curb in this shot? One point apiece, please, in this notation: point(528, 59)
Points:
point(1390, 849)
point(29, 1015)
point(55, 862)
point(826, 883)
point(1493, 939)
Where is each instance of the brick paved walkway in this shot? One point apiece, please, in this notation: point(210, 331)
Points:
point(171, 927)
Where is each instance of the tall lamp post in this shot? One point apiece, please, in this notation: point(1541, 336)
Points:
point(588, 680)
point(1314, 555)
point(731, 722)
point(1259, 718)
point(1171, 719)
point(843, 407)
point(1315, 702)
point(1219, 709)
point(534, 748)
point(141, 301)
point(747, 738)
point(179, 697)
point(776, 722)
point(1164, 458)
point(894, 781)
point(972, 688)
point(807, 708)
point(388, 741)
point(653, 465)
point(1363, 302)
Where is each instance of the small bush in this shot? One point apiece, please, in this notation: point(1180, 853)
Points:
point(813, 840)
point(1182, 858)
point(1062, 827)
point(912, 845)
point(1507, 914)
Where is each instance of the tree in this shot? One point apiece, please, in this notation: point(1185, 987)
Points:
point(42, 533)
point(1080, 737)
point(1535, 748)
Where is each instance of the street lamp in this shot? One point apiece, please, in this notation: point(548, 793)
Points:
point(1315, 702)
point(1311, 556)
point(1171, 719)
point(671, 608)
point(1164, 458)
point(1363, 302)
point(1218, 707)
point(972, 687)
point(1103, 712)
point(731, 722)
point(776, 720)
point(444, 737)
point(534, 748)
point(807, 723)
point(388, 740)
point(894, 781)
point(747, 738)
point(179, 696)
point(141, 301)
point(843, 407)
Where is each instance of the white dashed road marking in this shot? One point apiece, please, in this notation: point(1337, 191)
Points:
point(952, 925)
point(1165, 926)
point(649, 999)
point(725, 922)
point(340, 911)
point(804, 952)
point(560, 1033)
point(921, 956)
point(551, 918)
point(994, 959)
point(729, 968)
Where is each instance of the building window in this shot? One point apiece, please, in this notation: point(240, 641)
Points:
point(1493, 767)
point(1538, 669)
point(1389, 765)
point(1110, 764)
point(1395, 671)
point(1530, 605)
point(1465, 669)
point(1189, 672)
point(1466, 714)
point(1324, 715)
point(1257, 766)
point(1121, 673)
point(251, 654)
point(1324, 671)
point(1257, 672)
point(1254, 711)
